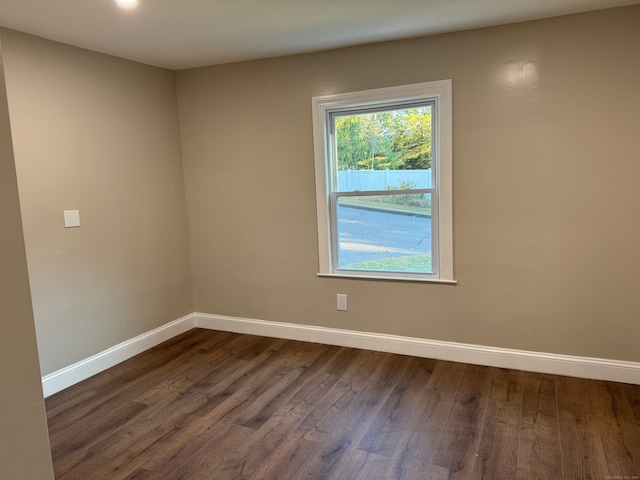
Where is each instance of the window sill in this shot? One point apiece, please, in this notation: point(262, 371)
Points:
point(389, 278)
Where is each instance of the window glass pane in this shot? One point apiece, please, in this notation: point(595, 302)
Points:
point(384, 150)
point(388, 233)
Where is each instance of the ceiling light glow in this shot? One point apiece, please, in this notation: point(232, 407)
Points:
point(127, 3)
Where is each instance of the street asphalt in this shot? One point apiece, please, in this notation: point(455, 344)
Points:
point(372, 234)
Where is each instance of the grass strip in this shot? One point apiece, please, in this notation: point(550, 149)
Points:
point(405, 263)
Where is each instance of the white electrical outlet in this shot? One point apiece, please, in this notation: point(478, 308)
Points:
point(342, 302)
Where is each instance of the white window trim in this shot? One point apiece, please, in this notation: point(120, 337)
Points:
point(441, 92)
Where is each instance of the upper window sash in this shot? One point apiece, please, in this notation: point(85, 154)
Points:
point(377, 107)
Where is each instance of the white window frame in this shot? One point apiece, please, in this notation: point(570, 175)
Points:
point(442, 193)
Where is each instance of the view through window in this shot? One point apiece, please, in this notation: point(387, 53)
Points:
point(384, 190)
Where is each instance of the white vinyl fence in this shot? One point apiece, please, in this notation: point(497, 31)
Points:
point(351, 180)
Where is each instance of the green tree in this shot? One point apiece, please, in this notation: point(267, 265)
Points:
point(351, 149)
point(412, 138)
point(395, 140)
point(371, 133)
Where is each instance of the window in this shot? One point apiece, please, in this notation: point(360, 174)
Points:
point(383, 182)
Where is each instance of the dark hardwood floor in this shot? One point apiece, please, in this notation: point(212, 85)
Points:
point(213, 405)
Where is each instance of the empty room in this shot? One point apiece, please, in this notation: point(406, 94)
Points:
point(321, 240)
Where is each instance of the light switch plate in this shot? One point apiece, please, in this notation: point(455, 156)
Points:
point(342, 302)
point(71, 218)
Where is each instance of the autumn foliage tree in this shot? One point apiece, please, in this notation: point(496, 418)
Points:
point(395, 140)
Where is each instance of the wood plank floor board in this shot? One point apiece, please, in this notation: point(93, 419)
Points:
point(361, 412)
point(315, 360)
point(70, 404)
point(415, 451)
point(209, 458)
point(252, 391)
point(74, 442)
point(321, 378)
point(317, 379)
point(163, 360)
point(287, 460)
point(326, 462)
point(192, 382)
point(149, 450)
point(350, 408)
point(539, 455)
point(259, 412)
point(583, 454)
point(621, 444)
point(397, 416)
point(374, 467)
point(137, 427)
point(458, 447)
point(288, 418)
point(360, 393)
point(142, 474)
point(303, 354)
point(259, 349)
point(170, 445)
point(632, 392)
point(497, 447)
point(446, 377)
point(229, 380)
point(436, 473)
point(241, 390)
point(212, 405)
point(85, 467)
point(107, 468)
point(244, 460)
point(125, 380)
point(350, 465)
point(336, 400)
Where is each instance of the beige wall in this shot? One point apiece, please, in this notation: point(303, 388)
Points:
point(546, 192)
point(98, 134)
point(24, 442)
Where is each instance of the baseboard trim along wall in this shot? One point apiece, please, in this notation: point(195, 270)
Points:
point(68, 376)
point(584, 367)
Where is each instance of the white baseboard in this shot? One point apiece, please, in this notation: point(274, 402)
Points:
point(65, 377)
point(583, 367)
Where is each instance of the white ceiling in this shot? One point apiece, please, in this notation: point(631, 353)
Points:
point(179, 34)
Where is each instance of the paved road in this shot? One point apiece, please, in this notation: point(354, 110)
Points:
point(367, 234)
